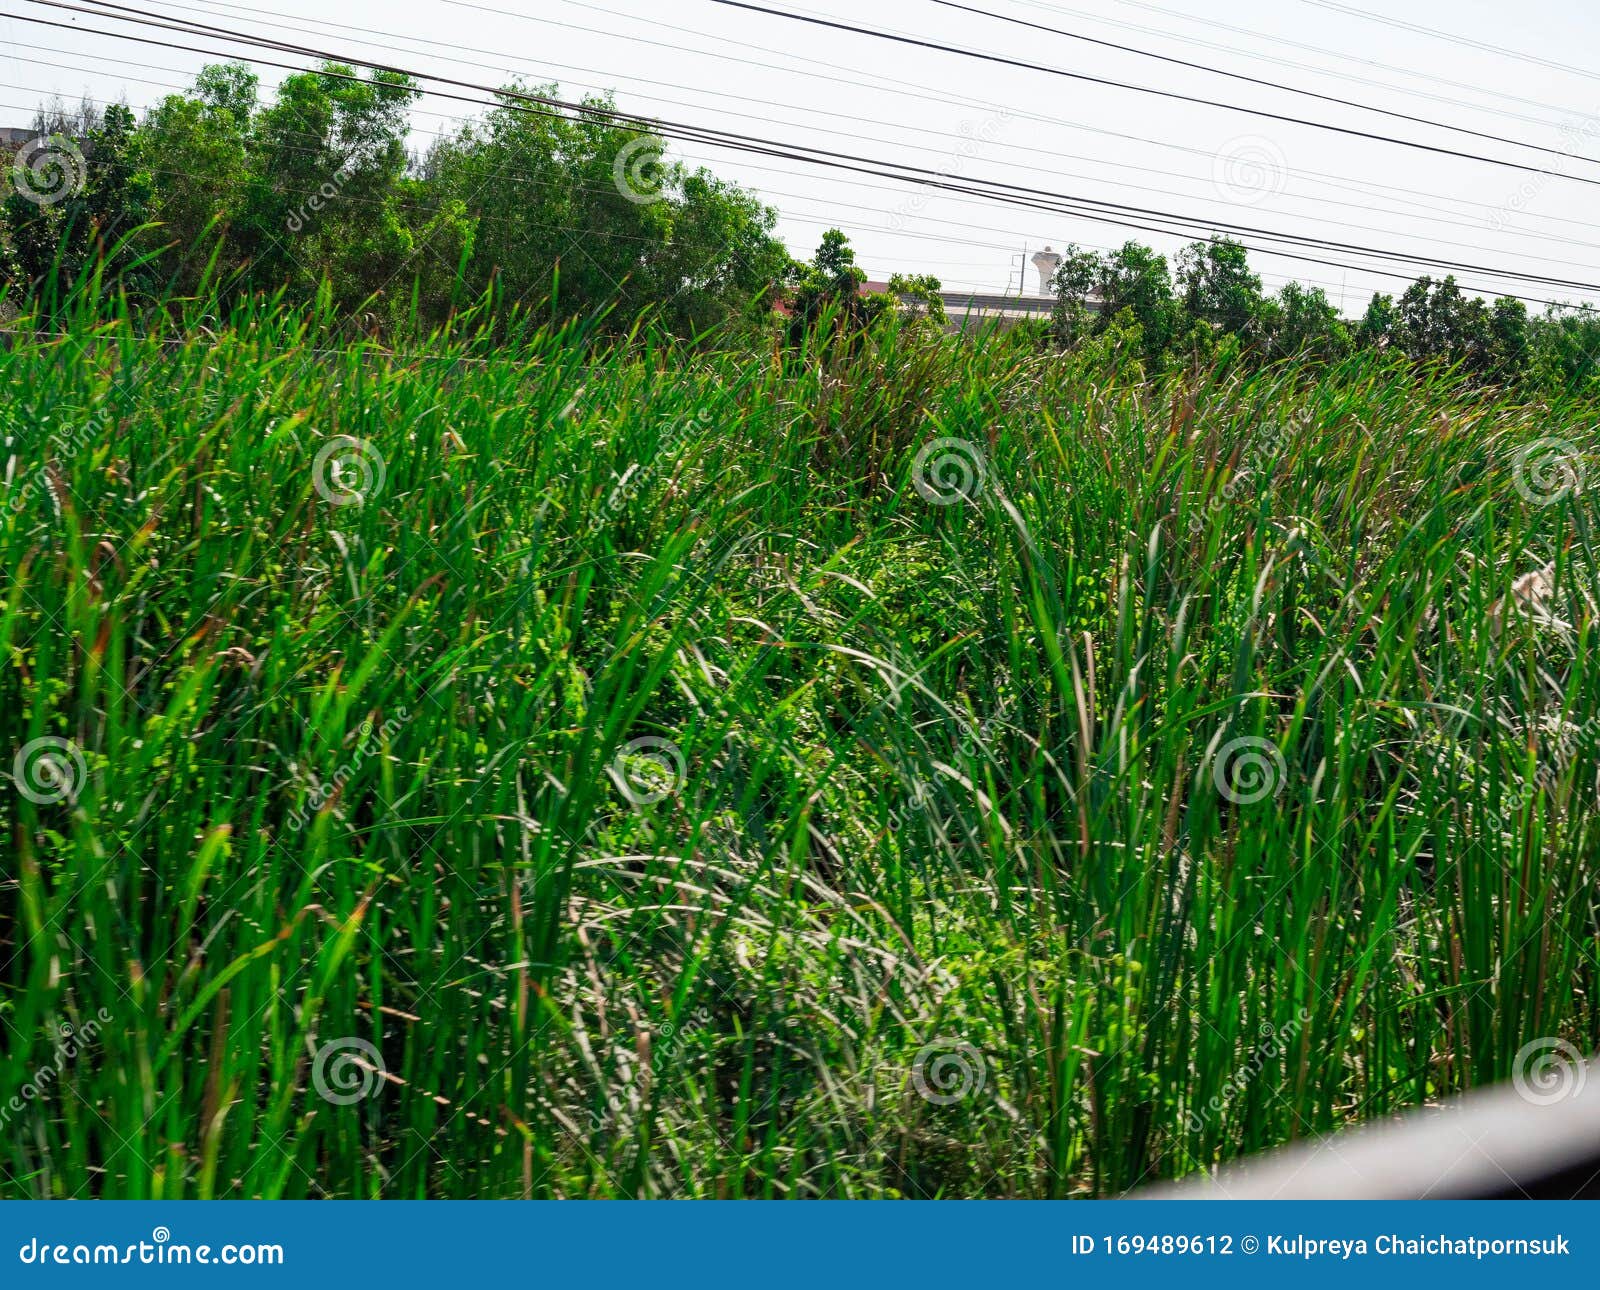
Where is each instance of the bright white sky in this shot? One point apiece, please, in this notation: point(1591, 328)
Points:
point(699, 62)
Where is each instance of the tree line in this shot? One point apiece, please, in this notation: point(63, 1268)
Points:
point(1130, 299)
point(317, 195)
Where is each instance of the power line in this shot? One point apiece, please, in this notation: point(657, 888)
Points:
point(521, 177)
point(1054, 153)
point(993, 190)
point(1240, 76)
point(908, 89)
point(1160, 93)
point(1410, 73)
point(819, 220)
point(929, 148)
point(1454, 39)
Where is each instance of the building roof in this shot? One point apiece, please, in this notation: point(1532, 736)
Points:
point(976, 305)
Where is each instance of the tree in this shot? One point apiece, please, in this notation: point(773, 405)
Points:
point(1511, 355)
point(1565, 349)
point(1305, 323)
point(1134, 278)
point(203, 142)
point(569, 212)
point(1373, 330)
point(89, 192)
point(1432, 322)
point(719, 262)
point(322, 198)
point(1219, 288)
point(1134, 290)
point(1076, 279)
point(830, 287)
point(919, 296)
point(306, 191)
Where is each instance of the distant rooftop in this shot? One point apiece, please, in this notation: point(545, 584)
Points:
point(966, 308)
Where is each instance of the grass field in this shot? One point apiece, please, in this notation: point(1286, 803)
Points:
point(516, 770)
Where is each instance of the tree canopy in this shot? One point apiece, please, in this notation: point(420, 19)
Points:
point(562, 211)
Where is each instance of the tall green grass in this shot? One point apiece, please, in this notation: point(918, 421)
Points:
point(1155, 773)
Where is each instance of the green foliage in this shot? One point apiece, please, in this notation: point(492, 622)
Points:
point(828, 290)
point(919, 294)
point(947, 883)
point(570, 210)
point(1105, 302)
point(1218, 288)
point(1566, 350)
point(1131, 291)
point(48, 246)
point(316, 193)
point(1303, 323)
point(566, 214)
point(826, 299)
point(1135, 279)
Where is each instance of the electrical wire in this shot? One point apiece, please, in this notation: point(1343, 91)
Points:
point(991, 189)
point(1249, 80)
point(1160, 93)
